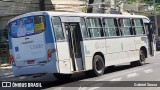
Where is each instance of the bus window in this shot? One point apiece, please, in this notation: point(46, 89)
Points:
point(111, 27)
point(138, 26)
point(84, 29)
point(27, 26)
point(57, 25)
point(39, 25)
point(125, 26)
point(94, 26)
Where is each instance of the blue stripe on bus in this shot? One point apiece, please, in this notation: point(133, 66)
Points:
point(48, 32)
point(9, 41)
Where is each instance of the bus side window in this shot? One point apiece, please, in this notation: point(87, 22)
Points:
point(138, 26)
point(111, 27)
point(57, 25)
point(94, 27)
point(118, 31)
point(125, 26)
point(84, 30)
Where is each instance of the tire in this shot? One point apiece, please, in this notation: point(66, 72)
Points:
point(62, 76)
point(142, 57)
point(141, 61)
point(98, 67)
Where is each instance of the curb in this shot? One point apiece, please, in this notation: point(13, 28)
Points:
point(8, 67)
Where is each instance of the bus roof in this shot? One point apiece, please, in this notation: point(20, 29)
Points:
point(53, 13)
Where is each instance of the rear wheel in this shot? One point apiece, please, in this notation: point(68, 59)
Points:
point(62, 76)
point(98, 67)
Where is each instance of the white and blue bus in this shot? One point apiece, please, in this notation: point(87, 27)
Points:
point(64, 43)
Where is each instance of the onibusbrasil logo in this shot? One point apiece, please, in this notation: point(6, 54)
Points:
point(20, 84)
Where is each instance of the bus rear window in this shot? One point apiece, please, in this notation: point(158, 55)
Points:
point(27, 26)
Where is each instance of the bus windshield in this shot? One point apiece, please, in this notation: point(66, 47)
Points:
point(27, 26)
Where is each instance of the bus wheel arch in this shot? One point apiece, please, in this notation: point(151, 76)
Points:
point(101, 54)
point(142, 57)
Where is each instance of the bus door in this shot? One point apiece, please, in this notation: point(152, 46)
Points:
point(74, 37)
point(151, 39)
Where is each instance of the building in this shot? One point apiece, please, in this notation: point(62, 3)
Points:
point(10, 9)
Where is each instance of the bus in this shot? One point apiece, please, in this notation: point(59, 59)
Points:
point(64, 43)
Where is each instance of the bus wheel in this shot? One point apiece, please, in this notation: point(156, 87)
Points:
point(142, 60)
point(142, 57)
point(62, 76)
point(98, 67)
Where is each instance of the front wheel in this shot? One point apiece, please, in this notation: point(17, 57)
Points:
point(142, 57)
point(141, 61)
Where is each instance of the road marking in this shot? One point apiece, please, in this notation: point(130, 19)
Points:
point(10, 76)
point(132, 75)
point(148, 71)
point(155, 63)
point(122, 73)
point(93, 88)
point(22, 77)
point(58, 88)
point(7, 73)
point(116, 79)
point(82, 88)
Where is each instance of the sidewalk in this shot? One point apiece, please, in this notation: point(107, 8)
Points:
point(5, 66)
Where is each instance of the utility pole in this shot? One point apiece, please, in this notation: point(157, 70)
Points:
point(42, 5)
point(155, 17)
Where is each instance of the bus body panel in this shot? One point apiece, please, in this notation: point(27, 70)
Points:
point(29, 49)
point(94, 46)
point(63, 59)
point(130, 48)
point(141, 41)
point(34, 47)
point(117, 52)
point(114, 49)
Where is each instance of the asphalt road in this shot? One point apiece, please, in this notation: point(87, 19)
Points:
point(125, 73)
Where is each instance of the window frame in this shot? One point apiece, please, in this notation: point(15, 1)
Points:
point(100, 29)
point(134, 27)
point(88, 36)
point(130, 27)
point(9, 26)
point(62, 40)
point(116, 27)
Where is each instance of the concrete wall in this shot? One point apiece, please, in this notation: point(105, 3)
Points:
point(4, 20)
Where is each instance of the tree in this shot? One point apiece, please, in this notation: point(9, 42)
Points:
point(141, 1)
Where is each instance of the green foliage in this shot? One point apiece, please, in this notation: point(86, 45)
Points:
point(130, 1)
point(146, 1)
point(158, 8)
point(141, 1)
